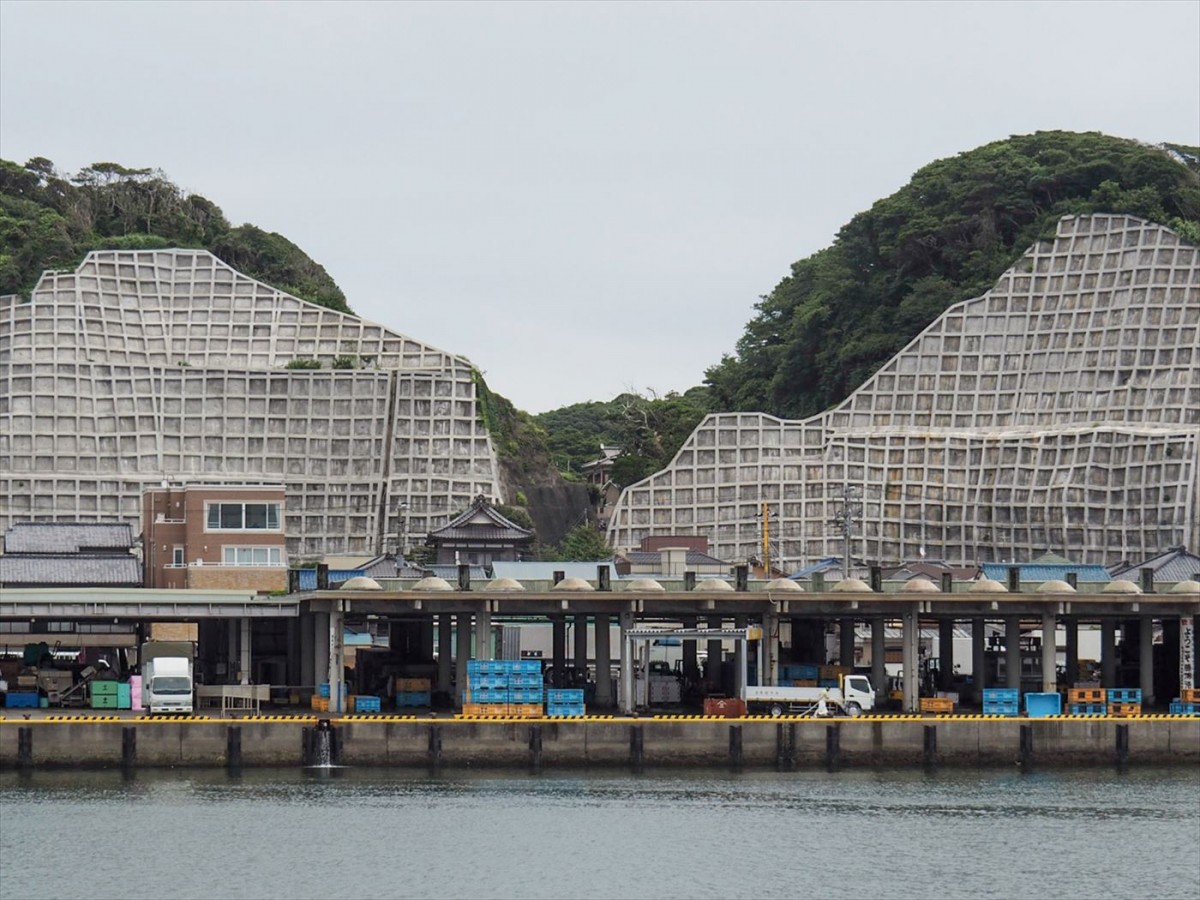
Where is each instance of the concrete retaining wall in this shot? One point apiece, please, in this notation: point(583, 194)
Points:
point(632, 743)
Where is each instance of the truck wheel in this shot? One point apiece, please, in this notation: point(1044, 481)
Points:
point(776, 711)
point(853, 710)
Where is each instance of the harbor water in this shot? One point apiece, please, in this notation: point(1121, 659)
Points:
point(366, 833)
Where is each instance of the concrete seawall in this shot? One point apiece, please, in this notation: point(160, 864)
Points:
point(627, 743)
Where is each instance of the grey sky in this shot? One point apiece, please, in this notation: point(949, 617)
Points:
point(582, 198)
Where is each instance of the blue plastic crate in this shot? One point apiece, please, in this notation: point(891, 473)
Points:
point(1041, 705)
point(413, 698)
point(484, 682)
point(1000, 707)
point(569, 709)
point(525, 679)
point(1088, 709)
point(22, 699)
point(564, 696)
point(367, 704)
point(528, 666)
point(323, 690)
point(1001, 695)
point(1124, 695)
point(1179, 708)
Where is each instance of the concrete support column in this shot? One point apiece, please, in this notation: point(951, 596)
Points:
point(715, 652)
point(294, 653)
point(1146, 659)
point(580, 656)
point(1072, 652)
point(604, 692)
point(691, 672)
point(979, 657)
point(627, 622)
point(445, 665)
point(1049, 652)
point(770, 649)
point(305, 627)
point(320, 645)
point(559, 650)
point(1012, 651)
point(946, 654)
point(846, 642)
point(232, 657)
point(462, 629)
point(911, 643)
point(427, 639)
point(483, 635)
point(739, 660)
point(337, 664)
point(244, 652)
point(1108, 653)
point(879, 659)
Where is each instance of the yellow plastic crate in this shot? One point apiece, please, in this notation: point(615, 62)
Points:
point(937, 705)
point(320, 704)
point(526, 710)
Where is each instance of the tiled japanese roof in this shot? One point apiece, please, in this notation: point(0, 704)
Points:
point(67, 537)
point(650, 558)
point(1040, 572)
point(1171, 567)
point(73, 571)
point(481, 522)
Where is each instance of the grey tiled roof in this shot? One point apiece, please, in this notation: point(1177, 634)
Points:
point(73, 571)
point(651, 557)
point(1171, 567)
point(67, 537)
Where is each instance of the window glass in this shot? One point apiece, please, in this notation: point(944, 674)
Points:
point(177, 557)
point(256, 515)
point(231, 515)
point(214, 516)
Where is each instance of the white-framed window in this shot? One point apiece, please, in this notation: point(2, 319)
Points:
point(242, 516)
point(177, 556)
point(253, 556)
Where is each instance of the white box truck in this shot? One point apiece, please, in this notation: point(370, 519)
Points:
point(854, 697)
point(168, 685)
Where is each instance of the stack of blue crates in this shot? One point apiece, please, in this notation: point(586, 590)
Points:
point(1179, 708)
point(1001, 701)
point(564, 702)
point(789, 672)
point(504, 681)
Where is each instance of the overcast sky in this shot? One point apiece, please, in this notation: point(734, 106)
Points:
point(582, 198)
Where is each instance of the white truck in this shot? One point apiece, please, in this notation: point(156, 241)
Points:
point(854, 697)
point(168, 685)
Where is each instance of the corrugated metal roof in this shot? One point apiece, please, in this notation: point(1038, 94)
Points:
point(74, 571)
point(1047, 572)
point(67, 537)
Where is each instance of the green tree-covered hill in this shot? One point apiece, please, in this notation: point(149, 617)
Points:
point(51, 221)
point(944, 237)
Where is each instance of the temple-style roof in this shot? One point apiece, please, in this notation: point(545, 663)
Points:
point(481, 523)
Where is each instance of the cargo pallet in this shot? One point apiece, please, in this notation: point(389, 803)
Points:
point(1125, 709)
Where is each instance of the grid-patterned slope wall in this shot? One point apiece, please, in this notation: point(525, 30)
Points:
point(152, 365)
point(1059, 410)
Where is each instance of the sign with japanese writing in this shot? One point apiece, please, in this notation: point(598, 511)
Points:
point(1187, 652)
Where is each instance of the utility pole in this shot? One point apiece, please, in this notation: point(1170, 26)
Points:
point(766, 531)
point(848, 519)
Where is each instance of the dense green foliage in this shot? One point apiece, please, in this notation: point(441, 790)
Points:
point(583, 543)
point(649, 431)
point(945, 237)
point(51, 221)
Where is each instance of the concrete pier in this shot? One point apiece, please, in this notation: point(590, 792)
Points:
point(662, 743)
